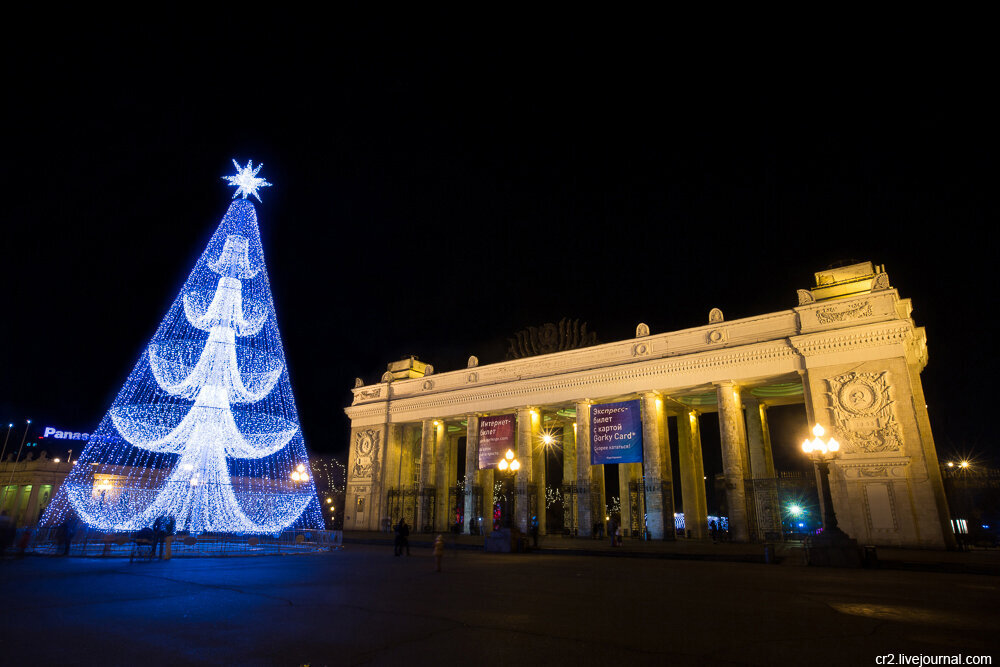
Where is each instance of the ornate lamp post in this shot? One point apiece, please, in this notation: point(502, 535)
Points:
point(508, 467)
point(833, 547)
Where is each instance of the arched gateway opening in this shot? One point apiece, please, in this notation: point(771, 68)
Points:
point(661, 432)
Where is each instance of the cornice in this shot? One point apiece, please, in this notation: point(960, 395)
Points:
point(841, 340)
point(519, 391)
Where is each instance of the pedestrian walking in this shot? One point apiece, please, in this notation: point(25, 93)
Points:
point(713, 530)
point(534, 532)
point(438, 551)
point(23, 542)
point(397, 538)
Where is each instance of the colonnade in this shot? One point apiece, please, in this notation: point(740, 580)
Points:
point(422, 461)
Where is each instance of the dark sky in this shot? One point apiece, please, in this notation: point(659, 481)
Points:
point(433, 193)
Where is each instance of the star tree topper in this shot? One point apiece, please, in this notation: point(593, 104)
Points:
point(246, 180)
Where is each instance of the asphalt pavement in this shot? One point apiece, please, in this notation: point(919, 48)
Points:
point(362, 605)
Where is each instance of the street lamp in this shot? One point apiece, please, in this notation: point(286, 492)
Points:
point(822, 452)
point(508, 467)
point(833, 547)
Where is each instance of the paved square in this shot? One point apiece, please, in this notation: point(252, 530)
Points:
point(363, 606)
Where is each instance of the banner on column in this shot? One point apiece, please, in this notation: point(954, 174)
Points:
point(616, 433)
point(496, 436)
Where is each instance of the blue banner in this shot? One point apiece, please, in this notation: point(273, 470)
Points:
point(616, 433)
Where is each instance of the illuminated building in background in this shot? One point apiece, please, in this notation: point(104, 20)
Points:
point(848, 351)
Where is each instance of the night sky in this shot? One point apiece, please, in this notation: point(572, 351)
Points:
point(435, 193)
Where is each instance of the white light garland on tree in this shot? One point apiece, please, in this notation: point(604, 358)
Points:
point(205, 429)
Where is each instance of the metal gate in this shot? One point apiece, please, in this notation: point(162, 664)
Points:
point(637, 492)
point(769, 498)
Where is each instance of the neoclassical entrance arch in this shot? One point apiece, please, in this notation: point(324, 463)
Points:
point(848, 351)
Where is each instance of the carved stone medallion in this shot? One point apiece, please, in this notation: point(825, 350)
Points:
point(863, 413)
point(366, 447)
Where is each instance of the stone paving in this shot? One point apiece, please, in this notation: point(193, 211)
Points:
point(362, 605)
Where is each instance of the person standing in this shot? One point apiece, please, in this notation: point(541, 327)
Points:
point(7, 532)
point(169, 528)
point(404, 537)
point(612, 525)
point(713, 530)
point(67, 532)
point(534, 531)
point(438, 551)
point(158, 535)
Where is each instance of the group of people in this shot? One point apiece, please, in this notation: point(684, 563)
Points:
point(402, 541)
point(163, 535)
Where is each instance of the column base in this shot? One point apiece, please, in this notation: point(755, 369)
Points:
point(832, 549)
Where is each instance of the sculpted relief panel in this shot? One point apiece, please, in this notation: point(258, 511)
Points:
point(832, 314)
point(366, 444)
point(863, 413)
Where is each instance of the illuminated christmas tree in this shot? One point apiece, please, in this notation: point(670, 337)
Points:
point(205, 429)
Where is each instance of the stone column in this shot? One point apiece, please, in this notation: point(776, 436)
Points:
point(442, 512)
point(569, 473)
point(732, 433)
point(599, 496)
point(584, 474)
point(758, 442)
point(16, 510)
point(624, 496)
point(392, 470)
point(657, 470)
point(487, 480)
point(522, 479)
point(538, 468)
point(31, 511)
point(471, 468)
point(764, 485)
point(692, 475)
point(427, 442)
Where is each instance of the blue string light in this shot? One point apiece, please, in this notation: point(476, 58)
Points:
point(205, 428)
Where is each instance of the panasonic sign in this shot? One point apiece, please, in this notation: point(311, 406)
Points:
point(51, 432)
